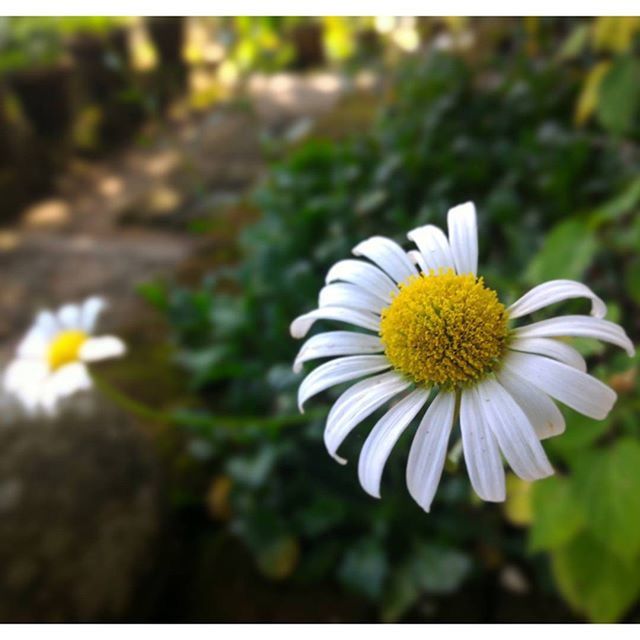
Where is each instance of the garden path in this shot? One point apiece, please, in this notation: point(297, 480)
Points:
point(122, 221)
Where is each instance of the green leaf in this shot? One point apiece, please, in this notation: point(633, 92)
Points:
point(594, 581)
point(278, 559)
point(319, 516)
point(609, 489)
point(632, 280)
point(439, 569)
point(619, 95)
point(581, 431)
point(402, 593)
point(567, 252)
point(364, 568)
point(622, 204)
point(557, 516)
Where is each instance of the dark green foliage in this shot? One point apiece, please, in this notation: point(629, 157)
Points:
point(504, 140)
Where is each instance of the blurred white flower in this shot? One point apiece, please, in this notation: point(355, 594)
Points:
point(435, 332)
point(51, 359)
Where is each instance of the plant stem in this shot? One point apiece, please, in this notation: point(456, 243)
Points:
point(145, 412)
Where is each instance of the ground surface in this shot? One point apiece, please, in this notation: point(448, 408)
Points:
point(122, 221)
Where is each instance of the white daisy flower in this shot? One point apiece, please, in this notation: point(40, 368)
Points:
point(435, 331)
point(51, 359)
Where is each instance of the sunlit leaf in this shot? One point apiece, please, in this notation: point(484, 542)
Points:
point(608, 486)
point(619, 95)
point(517, 507)
point(595, 581)
point(557, 516)
point(588, 99)
point(566, 253)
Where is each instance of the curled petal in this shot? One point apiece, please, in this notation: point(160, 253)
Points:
point(388, 255)
point(555, 291)
point(580, 326)
point(337, 343)
point(358, 402)
point(342, 294)
point(337, 371)
point(301, 325)
point(367, 276)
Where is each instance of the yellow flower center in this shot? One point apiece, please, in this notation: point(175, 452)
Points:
point(65, 348)
point(444, 329)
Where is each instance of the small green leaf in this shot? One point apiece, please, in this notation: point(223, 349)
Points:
point(402, 593)
point(440, 569)
point(619, 95)
point(278, 559)
point(594, 581)
point(364, 568)
point(609, 488)
point(555, 261)
point(557, 516)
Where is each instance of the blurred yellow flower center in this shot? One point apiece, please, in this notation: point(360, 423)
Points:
point(444, 329)
point(65, 348)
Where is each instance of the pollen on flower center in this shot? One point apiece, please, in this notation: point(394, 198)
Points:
point(444, 329)
point(65, 348)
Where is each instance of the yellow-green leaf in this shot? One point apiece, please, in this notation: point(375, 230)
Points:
point(594, 581)
point(588, 99)
point(608, 485)
point(557, 516)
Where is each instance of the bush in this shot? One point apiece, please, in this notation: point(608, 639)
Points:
point(448, 134)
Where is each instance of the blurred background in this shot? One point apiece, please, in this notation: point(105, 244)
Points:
point(203, 174)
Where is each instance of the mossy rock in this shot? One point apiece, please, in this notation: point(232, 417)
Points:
point(79, 515)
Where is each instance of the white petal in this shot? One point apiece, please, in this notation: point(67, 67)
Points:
point(541, 410)
point(364, 275)
point(434, 247)
point(102, 348)
point(69, 316)
point(47, 324)
point(337, 343)
point(581, 326)
point(64, 382)
point(418, 260)
point(301, 325)
point(515, 434)
point(481, 453)
point(91, 309)
point(34, 345)
point(578, 390)
point(21, 376)
point(388, 255)
point(358, 402)
point(351, 296)
point(429, 449)
point(463, 237)
point(337, 371)
point(555, 291)
point(383, 438)
point(550, 348)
